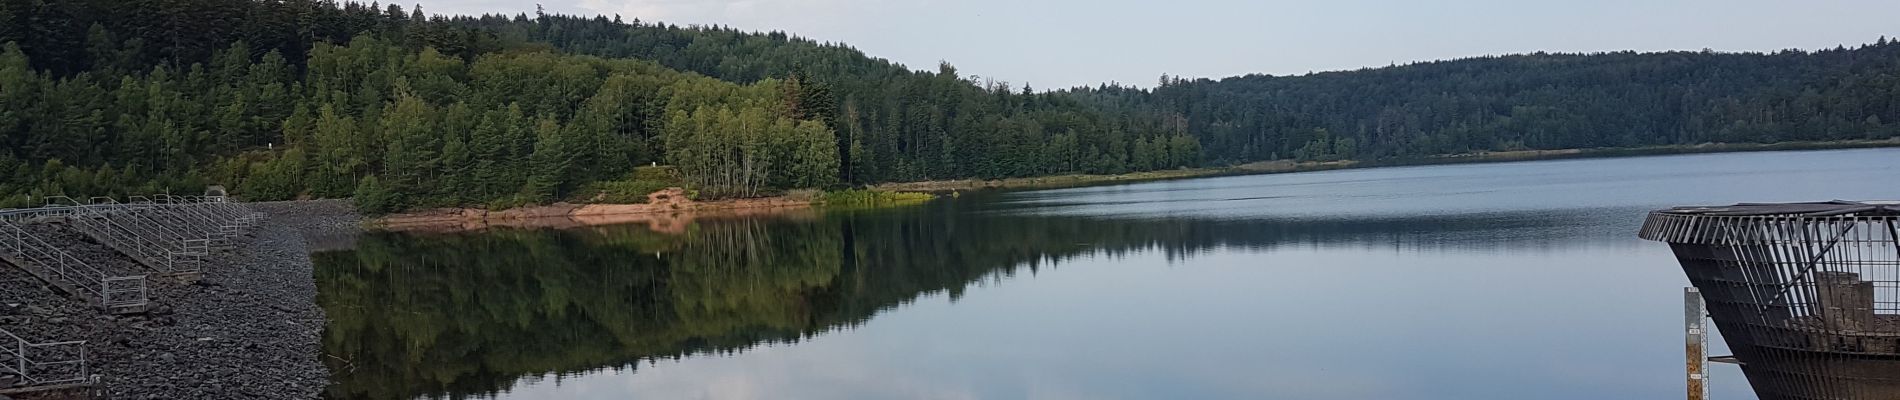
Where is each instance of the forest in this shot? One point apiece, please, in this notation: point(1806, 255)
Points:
point(401, 109)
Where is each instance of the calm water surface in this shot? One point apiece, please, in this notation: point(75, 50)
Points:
point(1514, 280)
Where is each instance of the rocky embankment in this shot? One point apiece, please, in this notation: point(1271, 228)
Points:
point(248, 327)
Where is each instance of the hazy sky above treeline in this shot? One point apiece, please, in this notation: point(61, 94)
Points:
point(1062, 43)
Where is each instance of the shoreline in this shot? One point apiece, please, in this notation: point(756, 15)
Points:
point(1614, 152)
point(1290, 166)
point(670, 211)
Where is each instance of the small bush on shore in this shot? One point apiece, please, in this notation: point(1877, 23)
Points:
point(805, 194)
point(505, 203)
point(373, 198)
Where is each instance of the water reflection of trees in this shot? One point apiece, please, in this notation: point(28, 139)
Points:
point(460, 315)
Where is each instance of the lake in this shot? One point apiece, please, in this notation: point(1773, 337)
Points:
point(1507, 280)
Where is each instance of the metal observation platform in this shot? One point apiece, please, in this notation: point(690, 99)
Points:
point(1807, 295)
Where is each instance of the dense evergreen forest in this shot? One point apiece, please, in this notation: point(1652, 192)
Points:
point(401, 113)
point(400, 109)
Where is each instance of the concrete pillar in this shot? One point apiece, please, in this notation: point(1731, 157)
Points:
point(1846, 302)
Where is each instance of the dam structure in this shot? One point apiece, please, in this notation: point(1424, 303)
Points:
point(1807, 295)
point(100, 260)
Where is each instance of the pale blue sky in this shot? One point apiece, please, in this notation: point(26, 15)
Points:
point(1060, 43)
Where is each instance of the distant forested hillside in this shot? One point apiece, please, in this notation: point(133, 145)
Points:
point(401, 109)
point(1540, 101)
point(893, 123)
point(1516, 102)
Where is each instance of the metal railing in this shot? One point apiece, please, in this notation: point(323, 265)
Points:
point(194, 215)
point(57, 363)
point(69, 273)
point(172, 234)
point(1807, 295)
point(157, 224)
point(123, 229)
point(135, 241)
point(22, 214)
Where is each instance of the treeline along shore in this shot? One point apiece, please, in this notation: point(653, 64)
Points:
point(670, 210)
point(402, 109)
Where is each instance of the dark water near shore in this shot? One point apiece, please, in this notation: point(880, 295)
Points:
point(1514, 280)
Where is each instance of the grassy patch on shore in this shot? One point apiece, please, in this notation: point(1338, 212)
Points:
point(872, 198)
point(631, 189)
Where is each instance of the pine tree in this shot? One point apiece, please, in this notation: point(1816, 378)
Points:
point(337, 165)
point(408, 127)
point(488, 147)
point(9, 25)
point(550, 161)
point(101, 48)
point(817, 156)
point(297, 129)
point(16, 92)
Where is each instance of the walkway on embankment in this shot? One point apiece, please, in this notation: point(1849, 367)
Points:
point(243, 324)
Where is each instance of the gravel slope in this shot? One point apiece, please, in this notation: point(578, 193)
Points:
point(248, 328)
